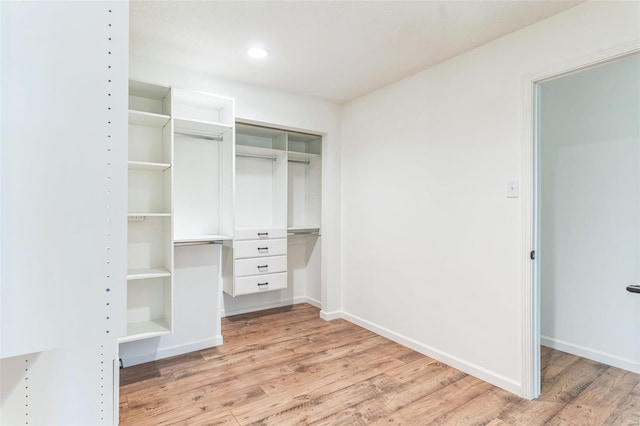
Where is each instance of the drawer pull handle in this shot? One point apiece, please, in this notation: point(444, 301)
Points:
point(634, 288)
point(263, 248)
point(263, 234)
point(263, 266)
point(261, 284)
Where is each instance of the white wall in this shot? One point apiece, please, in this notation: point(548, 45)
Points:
point(319, 285)
point(432, 248)
point(590, 217)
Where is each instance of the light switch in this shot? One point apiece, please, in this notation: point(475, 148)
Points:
point(513, 188)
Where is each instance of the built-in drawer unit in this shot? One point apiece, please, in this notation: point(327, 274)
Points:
point(259, 283)
point(259, 248)
point(256, 261)
point(260, 265)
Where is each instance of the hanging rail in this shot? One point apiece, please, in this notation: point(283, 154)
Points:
point(197, 243)
point(300, 161)
point(199, 135)
point(303, 232)
point(266, 157)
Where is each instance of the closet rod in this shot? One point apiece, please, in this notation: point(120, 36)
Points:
point(292, 233)
point(199, 136)
point(266, 157)
point(197, 243)
point(300, 161)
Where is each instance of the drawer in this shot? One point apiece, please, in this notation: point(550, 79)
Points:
point(260, 283)
point(257, 248)
point(259, 233)
point(261, 265)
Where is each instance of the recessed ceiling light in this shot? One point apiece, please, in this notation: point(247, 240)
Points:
point(257, 52)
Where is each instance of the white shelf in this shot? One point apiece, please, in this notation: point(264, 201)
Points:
point(201, 238)
point(149, 119)
point(144, 330)
point(147, 90)
point(302, 156)
point(141, 274)
point(202, 128)
point(256, 150)
point(144, 165)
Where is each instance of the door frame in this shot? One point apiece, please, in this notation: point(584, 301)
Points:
point(531, 368)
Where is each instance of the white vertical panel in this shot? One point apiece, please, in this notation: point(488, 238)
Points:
point(63, 203)
point(64, 67)
point(70, 386)
point(227, 183)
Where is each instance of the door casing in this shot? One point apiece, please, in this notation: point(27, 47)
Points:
point(531, 368)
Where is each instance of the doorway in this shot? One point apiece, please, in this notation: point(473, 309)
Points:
point(588, 212)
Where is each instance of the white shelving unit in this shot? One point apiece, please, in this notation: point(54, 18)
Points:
point(203, 167)
point(258, 261)
point(180, 190)
point(150, 225)
point(278, 194)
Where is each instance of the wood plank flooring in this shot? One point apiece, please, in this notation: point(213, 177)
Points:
point(288, 367)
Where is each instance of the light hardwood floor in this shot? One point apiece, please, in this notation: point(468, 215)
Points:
point(288, 367)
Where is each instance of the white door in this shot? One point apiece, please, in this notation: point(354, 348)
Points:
point(589, 180)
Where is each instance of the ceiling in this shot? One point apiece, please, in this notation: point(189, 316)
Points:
point(331, 50)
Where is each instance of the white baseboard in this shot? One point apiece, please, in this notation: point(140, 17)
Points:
point(482, 373)
point(330, 316)
point(584, 352)
point(173, 351)
point(271, 305)
point(313, 302)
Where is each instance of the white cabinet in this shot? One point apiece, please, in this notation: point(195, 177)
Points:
point(149, 234)
point(277, 193)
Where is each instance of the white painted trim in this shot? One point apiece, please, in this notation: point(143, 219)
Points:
point(589, 353)
point(530, 312)
point(170, 351)
point(530, 228)
point(330, 316)
point(444, 357)
point(313, 302)
point(271, 305)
